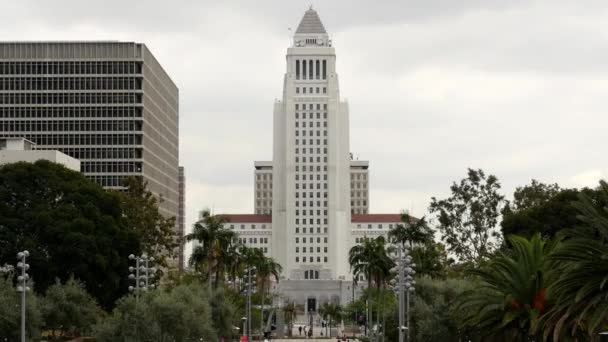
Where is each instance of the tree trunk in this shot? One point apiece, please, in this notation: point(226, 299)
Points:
point(262, 311)
point(378, 297)
point(369, 319)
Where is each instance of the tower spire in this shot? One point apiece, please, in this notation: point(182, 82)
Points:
point(311, 23)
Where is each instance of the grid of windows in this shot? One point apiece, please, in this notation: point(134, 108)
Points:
point(90, 110)
point(263, 191)
point(311, 182)
point(359, 191)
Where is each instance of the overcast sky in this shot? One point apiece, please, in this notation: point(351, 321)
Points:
point(517, 88)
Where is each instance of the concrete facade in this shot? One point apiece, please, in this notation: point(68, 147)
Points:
point(181, 215)
point(313, 195)
point(109, 104)
point(13, 150)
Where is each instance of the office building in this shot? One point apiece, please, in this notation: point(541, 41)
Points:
point(109, 104)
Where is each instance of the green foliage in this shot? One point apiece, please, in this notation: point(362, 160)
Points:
point(223, 312)
point(181, 314)
point(431, 310)
point(10, 312)
point(547, 217)
point(468, 217)
point(370, 258)
point(69, 309)
point(70, 225)
point(510, 295)
point(580, 270)
point(140, 210)
point(289, 314)
point(211, 255)
point(533, 195)
point(333, 313)
point(411, 231)
point(431, 260)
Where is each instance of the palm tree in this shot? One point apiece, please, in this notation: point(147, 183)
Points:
point(411, 231)
point(214, 241)
point(510, 297)
point(371, 259)
point(581, 271)
point(289, 312)
point(266, 269)
point(332, 312)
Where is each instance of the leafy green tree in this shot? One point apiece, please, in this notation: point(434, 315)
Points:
point(549, 216)
point(140, 211)
point(580, 269)
point(467, 219)
point(70, 225)
point(215, 242)
point(223, 312)
point(431, 260)
point(533, 195)
point(181, 314)
point(10, 312)
point(511, 294)
point(431, 311)
point(69, 309)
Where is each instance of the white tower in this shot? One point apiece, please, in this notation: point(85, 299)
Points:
point(311, 162)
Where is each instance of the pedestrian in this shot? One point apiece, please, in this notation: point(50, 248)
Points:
point(300, 330)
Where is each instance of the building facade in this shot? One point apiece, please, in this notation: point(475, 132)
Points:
point(312, 194)
point(13, 150)
point(109, 104)
point(181, 214)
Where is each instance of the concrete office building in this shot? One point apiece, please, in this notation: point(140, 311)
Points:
point(13, 150)
point(109, 104)
point(181, 213)
point(313, 194)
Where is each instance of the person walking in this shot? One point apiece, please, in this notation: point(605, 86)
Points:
point(300, 330)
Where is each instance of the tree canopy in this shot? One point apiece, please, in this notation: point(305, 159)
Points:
point(70, 225)
point(140, 213)
point(467, 219)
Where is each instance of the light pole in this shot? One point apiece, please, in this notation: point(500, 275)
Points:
point(244, 319)
point(404, 286)
point(22, 286)
point(249, 288)
point(141, 273)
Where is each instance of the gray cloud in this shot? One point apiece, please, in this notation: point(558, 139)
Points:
point(514, 87)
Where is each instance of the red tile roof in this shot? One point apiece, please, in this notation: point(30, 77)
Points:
point(355, 218)
point(376, 218)
point(248, 218)
point(379, 218)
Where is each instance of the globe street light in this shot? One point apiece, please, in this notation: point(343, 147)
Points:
point(141, 273)
point(22, 286)
point(404, 286)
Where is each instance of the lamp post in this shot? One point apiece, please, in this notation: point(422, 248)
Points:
point(249, 288)
point(141, 273)
point(404, 286)
point(22, 286)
